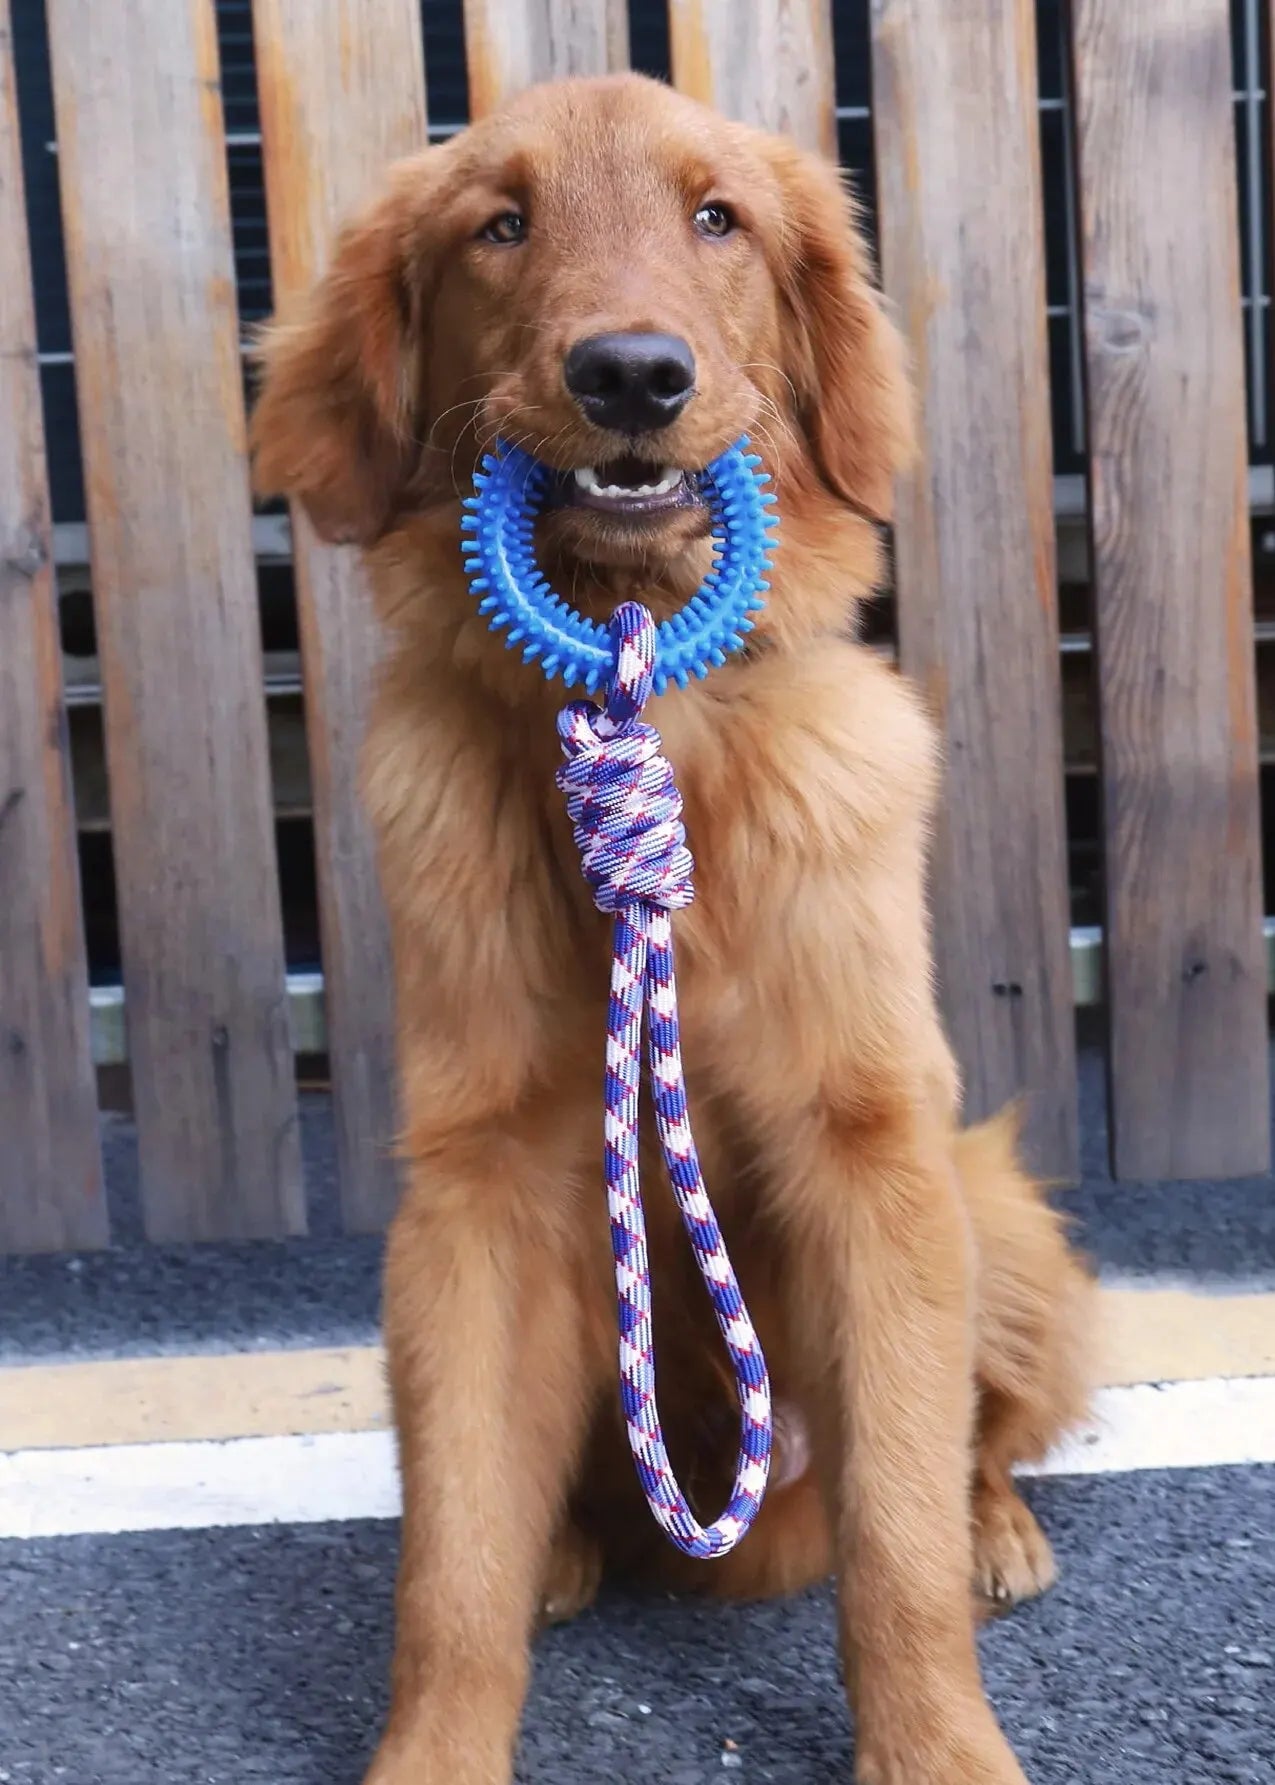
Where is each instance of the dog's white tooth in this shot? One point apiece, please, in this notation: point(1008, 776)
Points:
point(587, 478)
point(646, 489)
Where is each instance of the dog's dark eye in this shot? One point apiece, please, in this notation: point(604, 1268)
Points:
point(507, 230)
point(714, 220)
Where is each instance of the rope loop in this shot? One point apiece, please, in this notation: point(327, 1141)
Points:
point(627, 815)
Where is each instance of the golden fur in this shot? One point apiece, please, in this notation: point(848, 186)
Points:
point(918, 1304)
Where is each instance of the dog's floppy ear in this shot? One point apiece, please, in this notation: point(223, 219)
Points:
point(843, 354)
point(335, 426)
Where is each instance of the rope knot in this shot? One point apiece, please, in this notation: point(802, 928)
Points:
point(622, 799)
point(625, 810)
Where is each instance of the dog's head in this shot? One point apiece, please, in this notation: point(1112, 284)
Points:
point(615, 278)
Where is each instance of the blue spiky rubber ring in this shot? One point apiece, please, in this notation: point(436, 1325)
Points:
point(510, 488)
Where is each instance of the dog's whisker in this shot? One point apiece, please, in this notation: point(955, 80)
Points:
point(769, 365)
point(472, 403)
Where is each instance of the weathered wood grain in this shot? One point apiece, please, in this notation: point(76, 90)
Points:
point(1172, 588)
point(963, 259)
point(337, 103)
point(769, 63)
point(50, 1162)
point(142, 164)
point(509, 44)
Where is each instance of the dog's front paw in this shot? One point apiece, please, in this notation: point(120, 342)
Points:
point(399, 1769)
point(445, 1760)
point(977, 1756)
point(395, 1764)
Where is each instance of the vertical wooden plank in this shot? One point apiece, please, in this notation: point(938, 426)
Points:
point(769, 63)
point(338, 101)
point(50, 1162)
point(962, 254)
point(509, 44)
point(1172, 588)
point(141, 157)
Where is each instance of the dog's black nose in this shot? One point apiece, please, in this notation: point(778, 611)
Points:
point(631, 384)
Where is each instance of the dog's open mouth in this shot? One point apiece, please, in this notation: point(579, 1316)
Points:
point(628, 486)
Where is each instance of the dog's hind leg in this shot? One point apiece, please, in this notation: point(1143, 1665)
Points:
point(572, 1575)
point(1035, 1319)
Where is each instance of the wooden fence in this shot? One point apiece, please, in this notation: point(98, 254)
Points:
point(142, 171)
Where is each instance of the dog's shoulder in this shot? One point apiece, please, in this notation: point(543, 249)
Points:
point(821, 751)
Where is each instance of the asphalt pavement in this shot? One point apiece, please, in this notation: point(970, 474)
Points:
point(212, 1656)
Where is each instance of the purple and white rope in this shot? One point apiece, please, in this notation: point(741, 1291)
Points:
point(627, 813)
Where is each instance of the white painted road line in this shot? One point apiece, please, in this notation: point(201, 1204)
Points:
point(353, 1475)
point(192, 1485)
point(1172, 1425)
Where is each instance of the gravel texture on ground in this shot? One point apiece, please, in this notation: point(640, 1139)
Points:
point(215, 1657)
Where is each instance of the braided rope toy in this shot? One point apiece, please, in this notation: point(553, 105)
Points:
point(627, 816)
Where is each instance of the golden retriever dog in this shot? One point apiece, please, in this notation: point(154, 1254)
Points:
point(623, 282)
